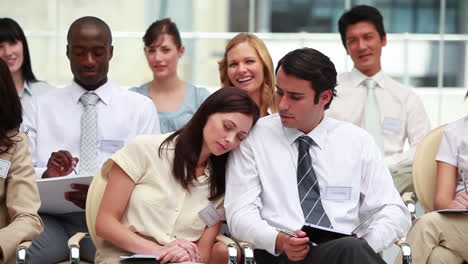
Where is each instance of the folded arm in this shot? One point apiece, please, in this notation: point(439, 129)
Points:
point(22, 202)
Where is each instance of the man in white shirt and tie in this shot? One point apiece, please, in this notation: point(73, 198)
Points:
point(369, 98)
point(80, 126)
point(299, 166)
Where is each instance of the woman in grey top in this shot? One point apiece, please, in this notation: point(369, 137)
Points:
point(175, 99)
point(15, 52)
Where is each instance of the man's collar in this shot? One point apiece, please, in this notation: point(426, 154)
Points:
point(357, 78)
point(318, 134)
point(104, 92)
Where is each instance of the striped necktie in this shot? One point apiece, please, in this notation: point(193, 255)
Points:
point(308, 186)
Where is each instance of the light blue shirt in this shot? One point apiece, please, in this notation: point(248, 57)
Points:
point(173, 120)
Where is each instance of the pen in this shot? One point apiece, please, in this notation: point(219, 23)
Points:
point(464, 181)
point(290, 233)
point(76, 173)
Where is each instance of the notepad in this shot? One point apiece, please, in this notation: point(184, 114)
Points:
point(51, 191)
point(464, 211)
point(320, 234)
point(139, 256)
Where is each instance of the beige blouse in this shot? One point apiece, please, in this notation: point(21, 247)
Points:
point(19, 199)
point(159, 208)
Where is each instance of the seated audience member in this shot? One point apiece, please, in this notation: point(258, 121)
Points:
point(15, 52)
point(82, 125)
point(161, 187)
point(443, 237)
point(367, 97)
point(300, 166)
point(247, 65)
point(19, 199)
point(175, 99)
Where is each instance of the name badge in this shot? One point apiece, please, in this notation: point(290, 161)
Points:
point(210, 215)
point(338, 193)
point(392, 124)
point(4, 167)
point(111, 146)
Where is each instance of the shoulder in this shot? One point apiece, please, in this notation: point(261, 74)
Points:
point(20, 145)
point(456, 127)
point(54, 95)
point(399, 89)
point(347, 132)
point(131, 98)
point(145, 143)
point(343, 77)
point(142, 89)
point(267, 126)
point(40, 87)
point(200, 93)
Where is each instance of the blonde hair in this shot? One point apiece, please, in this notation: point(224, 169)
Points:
point(267, 90)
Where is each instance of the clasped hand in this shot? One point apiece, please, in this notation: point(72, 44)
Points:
point(460, 202)
point(179, 250)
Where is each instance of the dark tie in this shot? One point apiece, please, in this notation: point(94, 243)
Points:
point(309, 191)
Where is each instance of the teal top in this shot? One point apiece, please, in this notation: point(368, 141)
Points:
point(173, 120)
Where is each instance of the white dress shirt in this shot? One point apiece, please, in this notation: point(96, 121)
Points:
point(453, 150)
point(402, 113)
point(54, 124)
point(32, 89)
point(262, 193)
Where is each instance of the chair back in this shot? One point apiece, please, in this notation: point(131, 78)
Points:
point(425, 168)
point(93, 201)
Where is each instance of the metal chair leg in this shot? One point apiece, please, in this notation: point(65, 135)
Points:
point(21, 255)
point(248, 253)
point(406, 252)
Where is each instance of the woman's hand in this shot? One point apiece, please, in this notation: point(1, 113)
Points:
point(179, 250)
point(460, 202)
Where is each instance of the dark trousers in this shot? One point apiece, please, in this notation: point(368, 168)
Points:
point(52, 245)
point(347, 250)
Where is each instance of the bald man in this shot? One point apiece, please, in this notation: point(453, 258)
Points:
point(82, 125)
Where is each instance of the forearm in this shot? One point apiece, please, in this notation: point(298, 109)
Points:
point(206, 241)
point(390, 225)
point(119, 235)
point(23, 228)
point(251, 228)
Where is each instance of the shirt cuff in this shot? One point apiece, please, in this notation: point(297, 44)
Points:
point(374, 239)
point(39, 172)
point(267, 240)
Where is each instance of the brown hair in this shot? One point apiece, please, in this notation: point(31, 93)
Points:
point(188, 140)
point(159, 27)
point(267, 90)
point(10, 109)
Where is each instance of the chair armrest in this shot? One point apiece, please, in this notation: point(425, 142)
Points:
point(21, 250)
point(74, 247)
point(247, 252)
point(231, 245)
point(408, 199)
point(405, 251)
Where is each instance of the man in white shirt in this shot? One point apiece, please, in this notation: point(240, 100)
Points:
point(82, 125)
point(368, 92)
point(345, 176)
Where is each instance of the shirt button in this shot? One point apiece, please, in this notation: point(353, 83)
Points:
point(177, 210)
